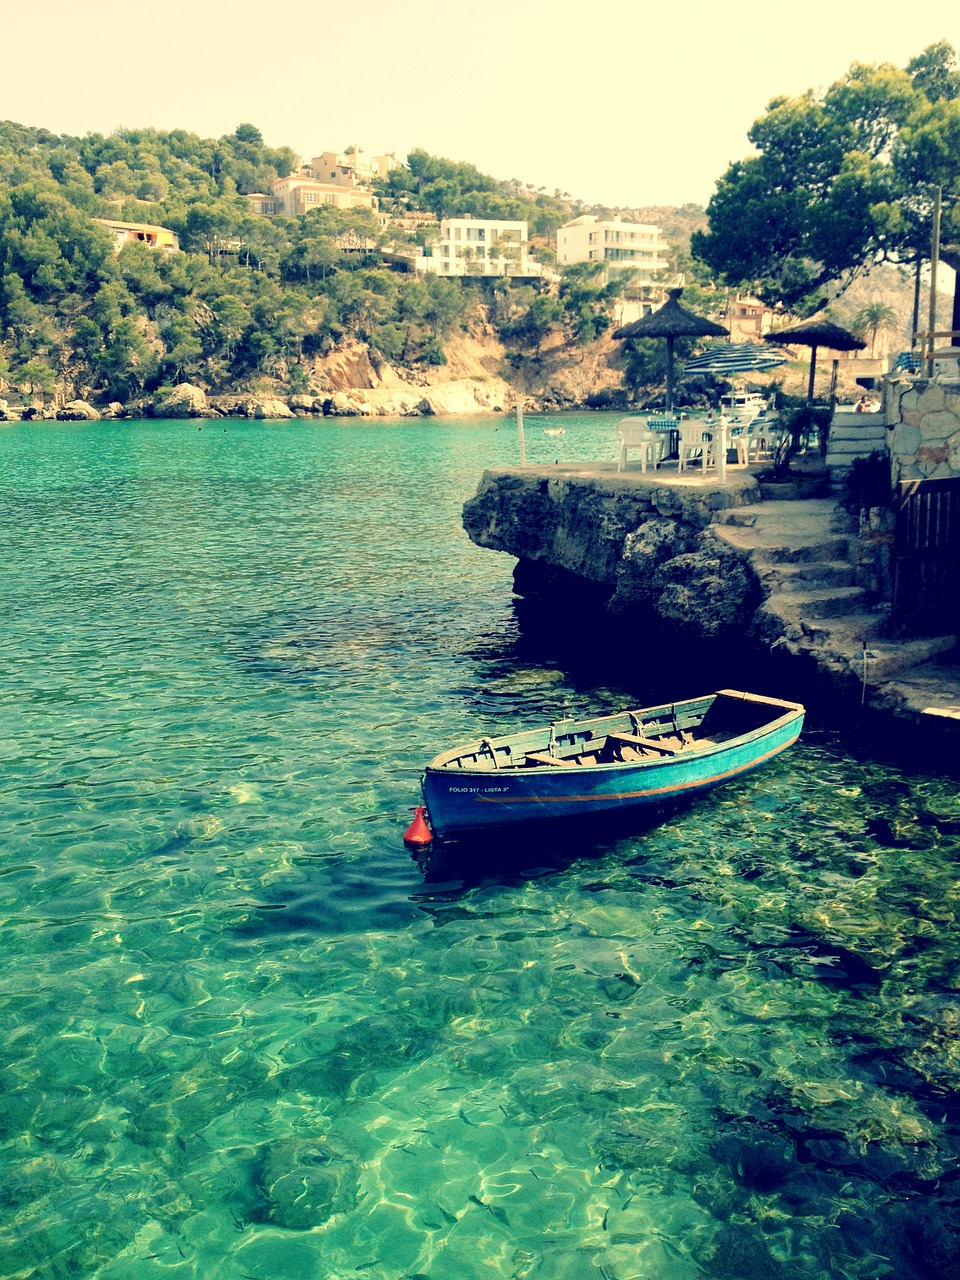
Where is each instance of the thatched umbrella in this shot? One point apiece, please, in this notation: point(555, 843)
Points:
point(813, 333)
point(671, 321)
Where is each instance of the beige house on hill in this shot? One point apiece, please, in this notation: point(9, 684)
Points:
point(142, 233)
point(747, 318)
point(350, 168)
point(298, 195)
point(341, 179)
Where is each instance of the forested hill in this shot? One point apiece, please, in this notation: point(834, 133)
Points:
point(249, 297)
point(677, 225)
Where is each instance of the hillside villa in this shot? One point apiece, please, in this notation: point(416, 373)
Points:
point(480, 247)
point(140, 232)
point(615, 243)
point(300, 194)
point(353, 168)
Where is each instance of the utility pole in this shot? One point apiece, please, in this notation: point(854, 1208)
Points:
point(916, 301)
point(934, 262)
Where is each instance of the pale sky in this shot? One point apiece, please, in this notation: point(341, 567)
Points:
point(623, 102)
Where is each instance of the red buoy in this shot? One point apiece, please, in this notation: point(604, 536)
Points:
point(418, 833)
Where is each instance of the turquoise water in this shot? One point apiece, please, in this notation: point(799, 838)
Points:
point(245, 1034)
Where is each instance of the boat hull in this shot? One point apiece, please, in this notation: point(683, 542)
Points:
point(464, 801)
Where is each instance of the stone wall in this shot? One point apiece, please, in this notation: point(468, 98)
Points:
point(924, 418)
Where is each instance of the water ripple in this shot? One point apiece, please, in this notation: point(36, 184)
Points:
point(245, 1034)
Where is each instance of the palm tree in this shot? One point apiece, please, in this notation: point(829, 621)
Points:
point(874, 317)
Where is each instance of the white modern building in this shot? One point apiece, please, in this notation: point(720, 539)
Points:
point(479, 247)
point(615, 243)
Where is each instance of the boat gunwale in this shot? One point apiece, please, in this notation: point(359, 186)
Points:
point(440, 765)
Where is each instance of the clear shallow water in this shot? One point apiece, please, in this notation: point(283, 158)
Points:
point(244, 1034)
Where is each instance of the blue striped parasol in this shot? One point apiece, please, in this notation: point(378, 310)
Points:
point(728, 358)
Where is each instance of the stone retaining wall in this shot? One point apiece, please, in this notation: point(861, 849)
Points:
point(924, 417)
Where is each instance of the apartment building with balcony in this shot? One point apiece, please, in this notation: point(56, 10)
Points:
point(350, 168)
point(479, 247)
point(617, 244)
point(298, 195)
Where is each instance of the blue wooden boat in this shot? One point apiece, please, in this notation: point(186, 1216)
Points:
point(606, 765)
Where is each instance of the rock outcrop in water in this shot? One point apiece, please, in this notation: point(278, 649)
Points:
point(649, 547)
point(78, 411)
point(183, 401)
point(785, 588)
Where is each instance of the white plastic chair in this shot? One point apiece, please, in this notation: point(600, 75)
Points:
point(649, 443)
point(746, 443)
point(765, 432)
point(696, 445)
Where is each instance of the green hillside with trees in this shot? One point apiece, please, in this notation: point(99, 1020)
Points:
point(841, 181)
point(249, 296)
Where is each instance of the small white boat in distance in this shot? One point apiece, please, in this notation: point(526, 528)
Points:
point(743, 406)
point(554, 431)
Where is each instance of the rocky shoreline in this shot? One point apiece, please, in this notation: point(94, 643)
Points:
point(351, 381)
point(188, 401)
point(793, 590)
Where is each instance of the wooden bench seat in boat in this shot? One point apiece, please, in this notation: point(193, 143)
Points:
point(634, 740)
point(538, 757)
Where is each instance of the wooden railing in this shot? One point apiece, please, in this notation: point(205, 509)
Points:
point(927, 340)
point(926, 593)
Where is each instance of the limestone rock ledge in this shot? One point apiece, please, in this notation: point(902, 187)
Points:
point(775, 585)
point(465, 396)
point(647, 544)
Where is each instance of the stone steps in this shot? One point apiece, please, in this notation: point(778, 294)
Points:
point(816, 605)
point(850, 640)
point(846, 633)
point(804, 557)
point(814, 531)
point(871, 430)
point(775, 519)
point(803, 574)
point(927, 690)
point(860, 447)
point(786, 550)
point(849, 443)
point(886, 660)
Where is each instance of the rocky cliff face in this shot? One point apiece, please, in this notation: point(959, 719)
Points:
point(478, 377)
point(347, 382)
point(770, 589)
point(649, 546)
